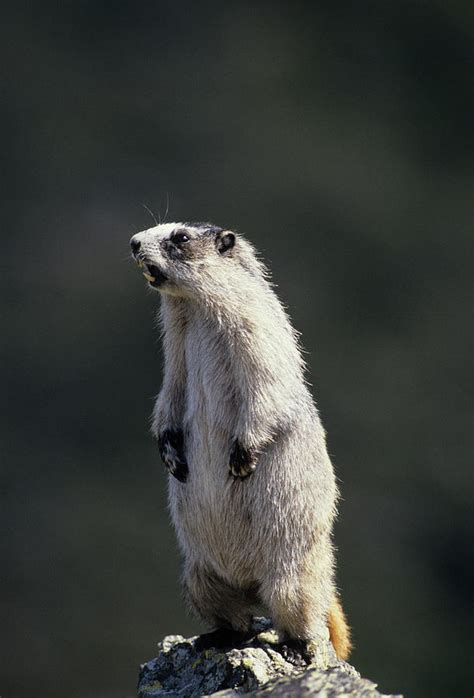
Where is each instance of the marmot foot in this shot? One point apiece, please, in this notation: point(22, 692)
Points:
point(295, 652)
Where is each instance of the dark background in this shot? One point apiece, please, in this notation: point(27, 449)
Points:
point(335, 135)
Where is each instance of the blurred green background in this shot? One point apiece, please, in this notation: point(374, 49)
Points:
point(334, 135)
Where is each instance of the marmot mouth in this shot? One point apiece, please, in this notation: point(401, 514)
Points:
point(153, 274)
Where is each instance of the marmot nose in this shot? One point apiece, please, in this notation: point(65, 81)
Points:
point(135, 245)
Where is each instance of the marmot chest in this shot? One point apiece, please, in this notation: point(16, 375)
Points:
point(211, 394)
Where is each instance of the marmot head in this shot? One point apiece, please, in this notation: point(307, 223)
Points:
point(176, 258)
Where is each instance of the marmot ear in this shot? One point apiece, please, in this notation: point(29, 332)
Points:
point(225, 240)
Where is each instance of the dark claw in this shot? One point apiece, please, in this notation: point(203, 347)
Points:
point(242, 461)
point(171, 446)
point(295, 652)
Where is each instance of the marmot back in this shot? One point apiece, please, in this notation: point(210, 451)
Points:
point(251, 489)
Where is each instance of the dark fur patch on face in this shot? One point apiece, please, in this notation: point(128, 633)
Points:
point(207, 228)
point(179, 244)
point(193, 248)
point(174, 251)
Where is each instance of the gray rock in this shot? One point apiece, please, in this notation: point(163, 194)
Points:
point(255, 669)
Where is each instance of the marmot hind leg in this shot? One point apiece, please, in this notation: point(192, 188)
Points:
point(299, 601)
point(219, 604)
point(298, 612)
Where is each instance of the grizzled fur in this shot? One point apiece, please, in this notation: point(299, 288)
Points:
point(253, 495)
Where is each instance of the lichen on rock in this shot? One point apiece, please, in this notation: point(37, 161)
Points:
point(256, 668)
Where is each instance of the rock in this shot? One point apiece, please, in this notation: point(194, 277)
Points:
point(257, 668)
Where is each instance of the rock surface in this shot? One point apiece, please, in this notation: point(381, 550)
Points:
point(257, 668)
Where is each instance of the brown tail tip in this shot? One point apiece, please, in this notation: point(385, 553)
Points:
point(339, 631)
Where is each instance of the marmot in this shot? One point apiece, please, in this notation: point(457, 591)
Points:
point(252, 491)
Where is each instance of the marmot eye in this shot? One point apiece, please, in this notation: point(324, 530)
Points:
point(179, 238)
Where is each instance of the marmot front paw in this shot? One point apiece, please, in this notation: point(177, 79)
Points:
point(171, 445)
point(242, 461)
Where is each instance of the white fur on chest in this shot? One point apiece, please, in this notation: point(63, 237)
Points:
point(211, 393)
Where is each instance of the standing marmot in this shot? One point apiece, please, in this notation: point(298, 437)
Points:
point(253, 493)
